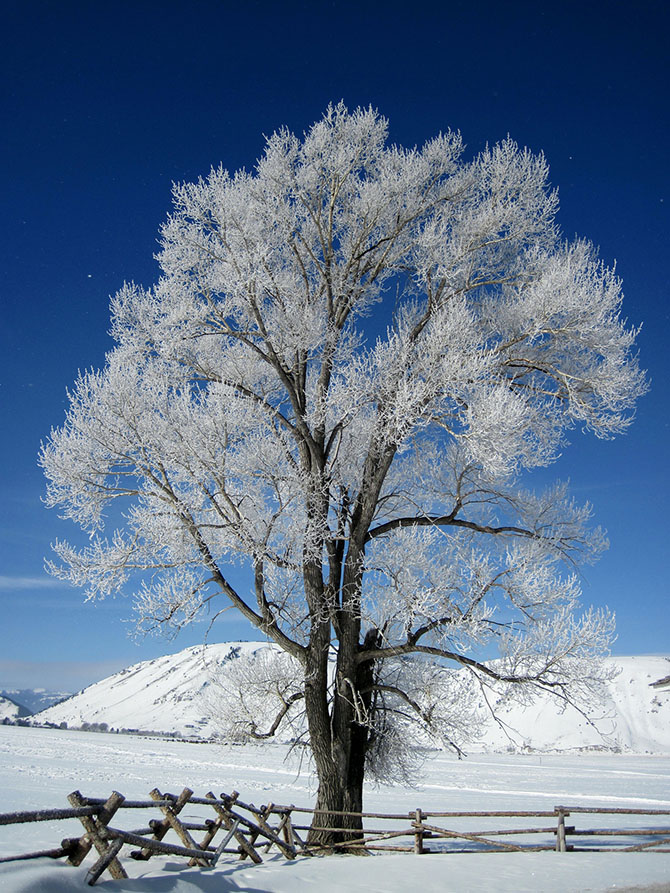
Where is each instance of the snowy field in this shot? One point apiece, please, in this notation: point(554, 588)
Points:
point(39, 767)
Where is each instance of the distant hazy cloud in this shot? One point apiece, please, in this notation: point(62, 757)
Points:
point(66, 676)
point(28, 582)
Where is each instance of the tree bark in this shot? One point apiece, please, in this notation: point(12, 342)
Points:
point(341, 771)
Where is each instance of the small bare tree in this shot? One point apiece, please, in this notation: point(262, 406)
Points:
point(418, 704)
point(351, 355)
point(254, 695)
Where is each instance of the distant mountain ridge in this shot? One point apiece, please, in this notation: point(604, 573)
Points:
point(173, 695)
point(32, 700)
point(11, 710)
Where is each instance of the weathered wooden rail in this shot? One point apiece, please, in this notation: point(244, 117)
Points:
point(422, 829)
point(243, 829)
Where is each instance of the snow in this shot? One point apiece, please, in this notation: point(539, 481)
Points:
point(39, 767)
point(8, 709)
point(161, 695)
point(174, 694)
point(558, 759)
point(634, 716)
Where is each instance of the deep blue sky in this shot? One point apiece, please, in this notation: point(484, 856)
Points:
point(104, 104)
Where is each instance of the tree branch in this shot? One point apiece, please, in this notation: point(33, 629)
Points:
point(424, 715)
point(286, 706)
point(447, 521)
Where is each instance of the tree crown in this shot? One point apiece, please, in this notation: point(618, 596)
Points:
point(351, 353)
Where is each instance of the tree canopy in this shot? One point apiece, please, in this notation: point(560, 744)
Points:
point(352, 355)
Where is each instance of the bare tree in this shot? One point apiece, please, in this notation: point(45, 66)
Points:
point(253, 695)
point(418, 705)
point(352, 354)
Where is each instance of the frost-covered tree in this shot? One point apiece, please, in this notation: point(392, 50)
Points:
point(351, 356)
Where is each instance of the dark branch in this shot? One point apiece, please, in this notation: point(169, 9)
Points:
point(409, 648)
point(288, 703)
point(447, 521)
point(425, 715)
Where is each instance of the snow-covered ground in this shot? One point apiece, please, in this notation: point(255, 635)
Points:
point(39, 767)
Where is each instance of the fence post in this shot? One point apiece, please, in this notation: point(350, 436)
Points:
point(172, 821)
point(560, 832)
point(287, 829)
point(161, 828)
point(418, 831)
point(94, 829)
point(228, 821)
point(104, 861)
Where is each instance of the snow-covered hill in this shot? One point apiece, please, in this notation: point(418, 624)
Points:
point(167, 694)
point(177, 694)
point(635, 717)
point(10, 710)
point(32, 700)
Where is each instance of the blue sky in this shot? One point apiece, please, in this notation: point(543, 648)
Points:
point(106, 104)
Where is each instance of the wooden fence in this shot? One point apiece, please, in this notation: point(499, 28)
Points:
point(244, 830)
point(421, 826)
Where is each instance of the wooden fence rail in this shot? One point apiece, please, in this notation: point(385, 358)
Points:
point(243, 829)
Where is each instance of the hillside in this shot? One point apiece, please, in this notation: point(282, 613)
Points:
point(9, 709)
point(635, 717)
point(32, 700)
point(165, 695)
point(173, 694)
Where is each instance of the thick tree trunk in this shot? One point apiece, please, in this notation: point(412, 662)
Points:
point(335, 797)
point(338, 794)
point(340, 730)
point(341, 771)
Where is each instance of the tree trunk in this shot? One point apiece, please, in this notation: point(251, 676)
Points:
point(341, 771)
point(339, 794)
